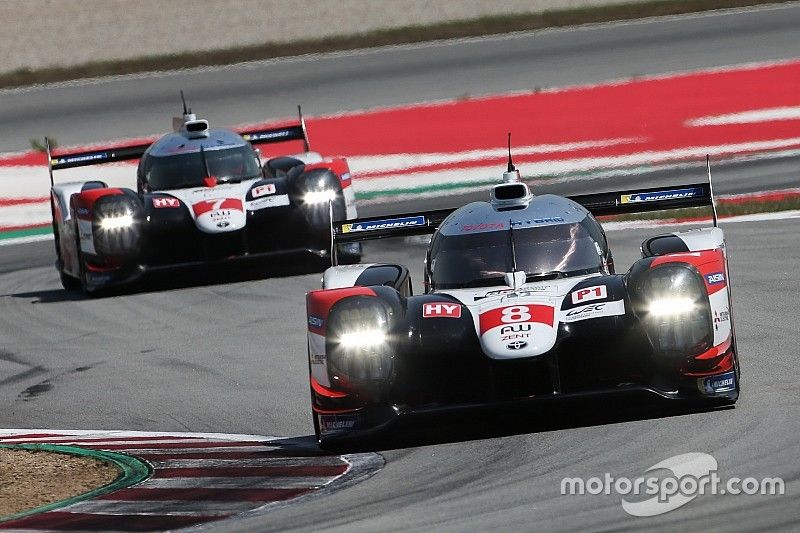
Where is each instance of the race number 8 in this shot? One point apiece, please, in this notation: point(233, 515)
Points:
point(517, 313)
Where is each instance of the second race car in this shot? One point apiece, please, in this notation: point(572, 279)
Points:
point(202, 197)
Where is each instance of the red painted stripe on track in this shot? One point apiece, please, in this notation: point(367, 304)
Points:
point(219, 495)
point(55, 520)
point(8, 202)
point(252, 471)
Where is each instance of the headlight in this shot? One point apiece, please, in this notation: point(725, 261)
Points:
point(319, 197)
point(358, 343)
point(116, 232)
point(676, 314)
point(367, 338)
point(116, 222)
point(671, 307)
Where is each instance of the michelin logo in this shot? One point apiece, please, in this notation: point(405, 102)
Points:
point(389, 223)
point(660, 195)
point(79, 158)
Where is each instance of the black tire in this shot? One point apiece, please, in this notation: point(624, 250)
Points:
point(68, 282)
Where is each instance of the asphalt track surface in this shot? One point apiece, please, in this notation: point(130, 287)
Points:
point(195, 355)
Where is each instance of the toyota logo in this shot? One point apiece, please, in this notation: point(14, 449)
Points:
point(516, 345)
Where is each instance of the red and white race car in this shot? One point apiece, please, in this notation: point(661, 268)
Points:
point(202, 197)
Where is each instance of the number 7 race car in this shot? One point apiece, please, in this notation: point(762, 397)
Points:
point(203, 198)
point(521, 304)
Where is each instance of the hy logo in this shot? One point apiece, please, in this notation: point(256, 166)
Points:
point(516, 345)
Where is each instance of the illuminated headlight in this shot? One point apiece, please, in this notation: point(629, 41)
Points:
point(358, 343)
point(367, 338)
point(319, 197)
point(671, 307)
point(676, 314)
point(116, 222)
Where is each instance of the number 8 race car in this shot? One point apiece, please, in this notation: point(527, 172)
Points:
point(521, 304)
point(202, 198)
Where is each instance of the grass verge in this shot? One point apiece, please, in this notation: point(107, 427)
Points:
point(497, 24)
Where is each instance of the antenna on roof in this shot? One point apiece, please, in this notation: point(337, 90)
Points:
point(711, 191)
point(205, 161)
point(510, 163)
point(511, 174)
point(306, 144)
point(183, 99)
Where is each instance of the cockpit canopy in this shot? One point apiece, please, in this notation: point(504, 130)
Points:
point(552, 238)
point(175, 162)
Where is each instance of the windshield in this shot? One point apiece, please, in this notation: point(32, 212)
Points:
point(188, 170)
point(481, 259)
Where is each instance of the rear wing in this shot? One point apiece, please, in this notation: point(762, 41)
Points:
point(605, 203)
point(293, 132)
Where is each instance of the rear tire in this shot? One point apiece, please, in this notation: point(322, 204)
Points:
point(68, 282)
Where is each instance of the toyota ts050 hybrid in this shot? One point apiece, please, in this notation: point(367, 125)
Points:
point(202, 197)
point(521, 304)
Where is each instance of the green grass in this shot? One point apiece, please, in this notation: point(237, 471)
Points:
point(497, 24)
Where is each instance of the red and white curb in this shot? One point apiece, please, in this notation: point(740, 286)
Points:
point(196, 478)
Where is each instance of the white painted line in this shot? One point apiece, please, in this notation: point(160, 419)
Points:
point(26, 240)
point(646, 224)
point(160, 507)
point(244, 482)
point(398, 162)
point(748, 117)
point(122, 433)
point(210, 451)
point(79, 442)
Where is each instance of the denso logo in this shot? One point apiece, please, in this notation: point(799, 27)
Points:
point(483, 226)
point(441, 310)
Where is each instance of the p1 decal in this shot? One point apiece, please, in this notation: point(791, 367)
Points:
point(586, 294)
point(716, 277)
point(515, 314)
point(263, 190)
point(441, 310)
point(204, 206)
point(160, 203)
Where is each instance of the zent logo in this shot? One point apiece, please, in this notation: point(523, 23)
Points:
point(717, 277)
point(263, 190)
point(598, 292)
point(441, 310)
point(160, 203)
